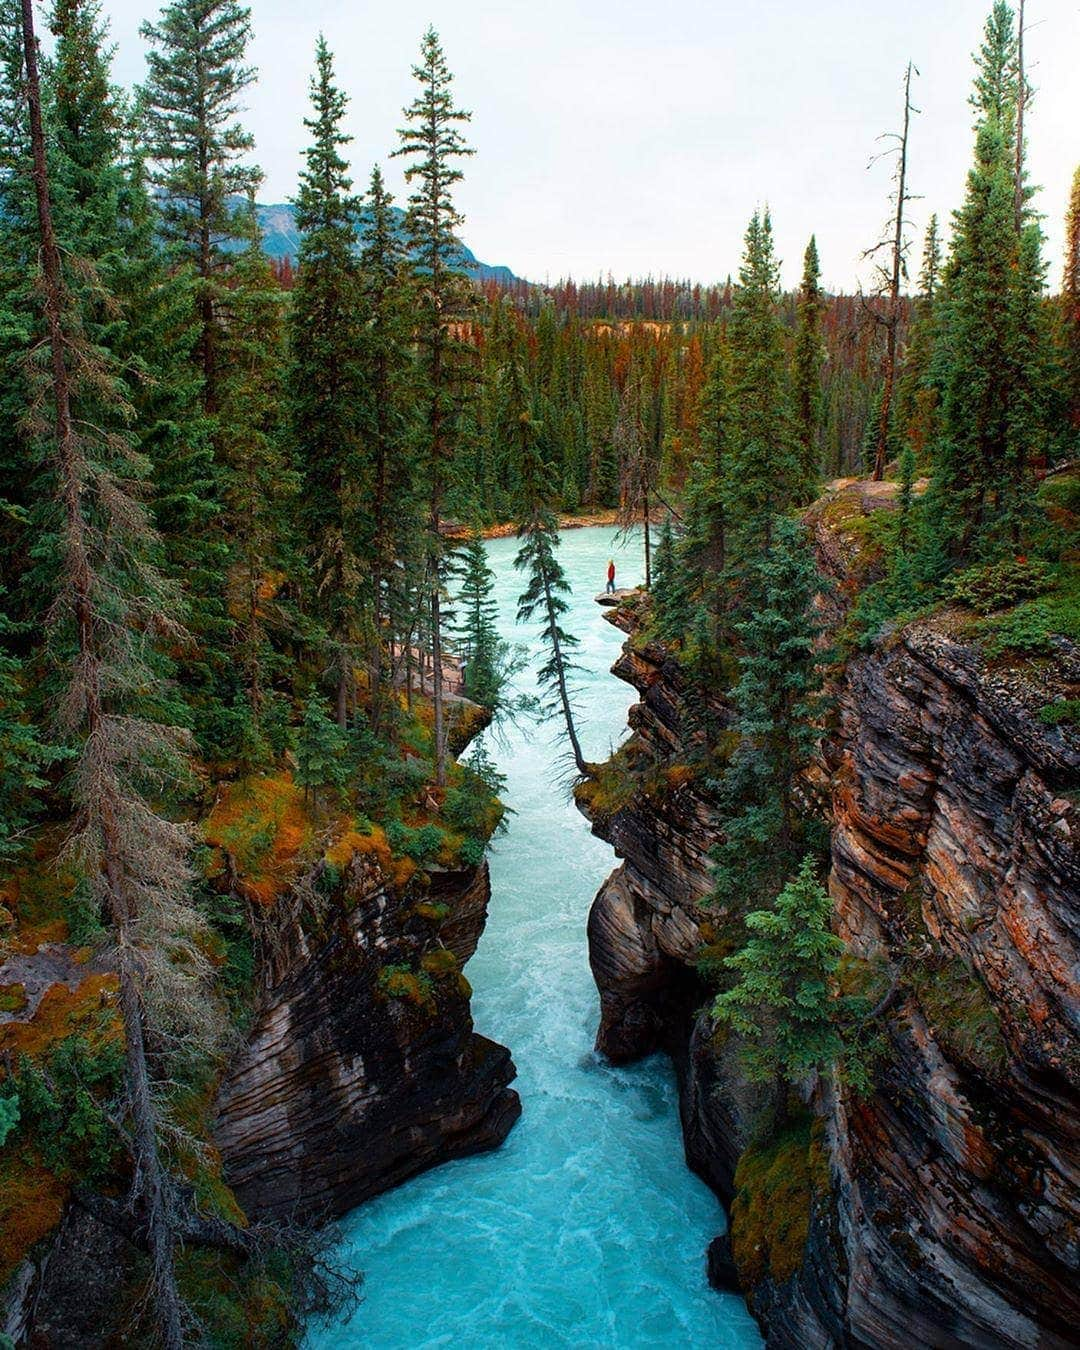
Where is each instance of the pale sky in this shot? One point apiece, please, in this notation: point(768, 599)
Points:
point(637, 136)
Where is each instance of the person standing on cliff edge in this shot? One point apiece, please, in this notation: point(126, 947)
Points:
point(611, 576)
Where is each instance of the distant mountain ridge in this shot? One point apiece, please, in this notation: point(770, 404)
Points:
point(281, 239)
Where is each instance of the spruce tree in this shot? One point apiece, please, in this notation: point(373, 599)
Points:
point(989, 354)
point(479, 644)
point(388, 417)
point(546, 584)
point(198, 147)
point(23, 755)
point(326, 383)
point(1070, 313)
point(433, 143)
point(916, 415)
point(782, 1001)
point(808, 364)
point(776, 699)
point(762, 473)
point(257, 487)
point(110, 604)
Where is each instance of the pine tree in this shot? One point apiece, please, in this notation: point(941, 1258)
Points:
point(320, 752)
point(996, 83)
point(433, 144)
point(546, 584)
point(479, 644)
point(257, 487)
point(327, 383)
point(190, 105)
point(989, 350)
point(776, 699)
point(761, 470)
point(109, 602)
point(1070, 311)
point(808, 364)
point(23, 755)
point(782, 1002)
point(916, 414)
point(388, 428)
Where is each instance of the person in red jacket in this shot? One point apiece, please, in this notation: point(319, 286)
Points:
point(611, 576)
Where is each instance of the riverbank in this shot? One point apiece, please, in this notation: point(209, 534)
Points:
point(454, 529)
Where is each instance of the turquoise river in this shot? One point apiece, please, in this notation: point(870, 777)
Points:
point(585, 1229)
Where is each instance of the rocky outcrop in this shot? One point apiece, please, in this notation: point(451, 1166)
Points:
point(952, 1211)
point(362, 1067)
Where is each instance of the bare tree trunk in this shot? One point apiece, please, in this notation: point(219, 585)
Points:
point(434, 561)
point(151, 1183)
point(892, 323)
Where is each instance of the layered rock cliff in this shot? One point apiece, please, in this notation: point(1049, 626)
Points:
point(944, 1209)
point(357, 1065)
point(362, 1067)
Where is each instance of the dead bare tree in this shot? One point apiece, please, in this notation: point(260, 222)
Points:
point(890, 276)
point(112, 606)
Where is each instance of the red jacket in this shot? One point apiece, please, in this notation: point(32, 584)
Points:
point(611, 571)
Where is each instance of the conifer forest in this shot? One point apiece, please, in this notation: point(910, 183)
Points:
point(307, 696)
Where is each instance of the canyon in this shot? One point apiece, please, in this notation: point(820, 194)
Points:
point(941, 1210)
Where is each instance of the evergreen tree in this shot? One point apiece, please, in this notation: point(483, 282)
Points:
point(996, 77)
point(388, 423)
point(23, 756)
point(670, 609)
point(327, 383)
point(761, 471)
point(807, 364)
point(546, 584)
point(110, 603)
point(1070, 312)
point(257, 487)
point(989, 347)
point(321, 748)
point(190, 105)
point(782, 1002)
point(433, 144)
point(916, 417)
point(776, 699)
point(479, 645)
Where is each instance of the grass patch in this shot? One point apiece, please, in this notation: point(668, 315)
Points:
point(31, 1202)
point(264, 825)
point(12, 998)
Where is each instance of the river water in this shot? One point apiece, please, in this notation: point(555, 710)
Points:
point(585, 1229)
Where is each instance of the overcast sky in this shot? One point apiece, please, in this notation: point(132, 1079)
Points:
point(637, 136)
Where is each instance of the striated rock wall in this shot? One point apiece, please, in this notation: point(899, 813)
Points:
point(362, 1067)
point(952, 1212)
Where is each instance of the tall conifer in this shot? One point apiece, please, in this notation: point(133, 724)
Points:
point(326, 380)
point(433, 144)
point(808, 363)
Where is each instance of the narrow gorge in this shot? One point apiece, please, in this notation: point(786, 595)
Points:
point(942, 1209)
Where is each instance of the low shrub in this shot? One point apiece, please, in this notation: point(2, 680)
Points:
point(402, 982)
point(1065, 712)
point(422, 843)
point(1000, 585)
